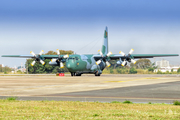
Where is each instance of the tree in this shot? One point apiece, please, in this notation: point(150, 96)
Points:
point(132, 71)
point(38, 68)
point(62, 52)
point(178, 71)
point(141, 64)
point(159, 72)
point(119, 70)
point(5, 69)
point(151, 69)
point(111, 70)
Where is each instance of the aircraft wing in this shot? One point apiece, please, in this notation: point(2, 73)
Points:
point(31, 56)
point(137, 56)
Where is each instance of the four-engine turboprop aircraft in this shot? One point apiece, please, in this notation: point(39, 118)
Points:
point(89, 63)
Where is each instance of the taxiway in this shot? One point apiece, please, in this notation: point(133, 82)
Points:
point(107, 88)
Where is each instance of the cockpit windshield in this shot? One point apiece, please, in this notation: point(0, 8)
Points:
point(70, 58)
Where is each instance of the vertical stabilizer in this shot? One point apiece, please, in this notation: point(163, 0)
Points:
point(105, 42)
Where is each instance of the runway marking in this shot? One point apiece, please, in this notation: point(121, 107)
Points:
point(131, 80)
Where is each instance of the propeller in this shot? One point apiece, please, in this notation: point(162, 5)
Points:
point(59, 59)
point(104, 58)
point(37, 58)
point(127, 57)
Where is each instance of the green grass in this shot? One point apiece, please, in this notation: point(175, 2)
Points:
point(176, 102)
point(115, 102)
point(15, 109)
point(12, 98)
point(127, 101)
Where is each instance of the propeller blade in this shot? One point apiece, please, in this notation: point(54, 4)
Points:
point(123, 54)
point(32, 53)
point(133, 61)
point(98, 62)
point(109, 54)
point(58, 53)
point(131, 51)
point(65, 56)
point(42, 62)
point(41, 52)
point(32, 64)
point(61, 65)
point(123, 63)
point(108, 64)
point(100, 53)
point(53, 60)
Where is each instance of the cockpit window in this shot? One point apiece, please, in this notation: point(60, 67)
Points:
point(71, 59)
point(76, 58)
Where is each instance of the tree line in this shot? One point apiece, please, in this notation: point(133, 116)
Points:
point(38, 68)
point(5, 69)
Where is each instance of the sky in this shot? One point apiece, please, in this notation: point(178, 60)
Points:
point(147, 26)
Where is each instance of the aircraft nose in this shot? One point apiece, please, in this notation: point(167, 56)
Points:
point(68, 65)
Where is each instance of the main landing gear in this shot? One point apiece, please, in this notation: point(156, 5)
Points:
point(75, 74)
point(97, 74)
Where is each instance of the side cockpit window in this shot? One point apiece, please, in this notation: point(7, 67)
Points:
point(76, 58)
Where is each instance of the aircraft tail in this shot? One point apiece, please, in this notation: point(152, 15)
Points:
point(105, 42)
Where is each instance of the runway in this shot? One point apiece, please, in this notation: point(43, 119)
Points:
point(107, 88)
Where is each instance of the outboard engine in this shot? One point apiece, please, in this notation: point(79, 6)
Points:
point(119, 62)
point(53, 63)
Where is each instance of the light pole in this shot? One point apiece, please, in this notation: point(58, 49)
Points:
point(26, 66)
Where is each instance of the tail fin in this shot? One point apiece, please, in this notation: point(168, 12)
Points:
point(105, 42)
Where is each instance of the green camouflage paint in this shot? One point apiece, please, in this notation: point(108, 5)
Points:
point(103, 49)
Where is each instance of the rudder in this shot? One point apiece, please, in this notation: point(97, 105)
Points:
point(105, 42)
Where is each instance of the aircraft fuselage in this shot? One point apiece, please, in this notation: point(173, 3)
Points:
point(82, 64)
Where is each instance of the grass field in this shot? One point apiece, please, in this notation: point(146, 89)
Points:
point(14, 109)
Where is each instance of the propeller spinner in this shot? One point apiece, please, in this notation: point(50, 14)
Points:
point(104, 58)
point(37, 58)
point(127, 57)
point(59, 59)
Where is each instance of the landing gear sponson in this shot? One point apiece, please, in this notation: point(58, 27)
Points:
point(79, 74)
point(75, 74)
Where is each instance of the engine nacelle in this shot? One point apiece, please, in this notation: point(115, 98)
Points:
point(53, 63)
point(119, 62)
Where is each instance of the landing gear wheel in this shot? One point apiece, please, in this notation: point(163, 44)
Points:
point(78, 74)
point(96, 74)
point(73, 74)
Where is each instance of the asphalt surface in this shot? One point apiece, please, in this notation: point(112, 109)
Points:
point(108, 88)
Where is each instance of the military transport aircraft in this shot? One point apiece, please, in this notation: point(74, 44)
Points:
point(79, 64)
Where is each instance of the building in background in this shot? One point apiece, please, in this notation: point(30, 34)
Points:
point(1, 65)
point(162, 63)
point(164, 66)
